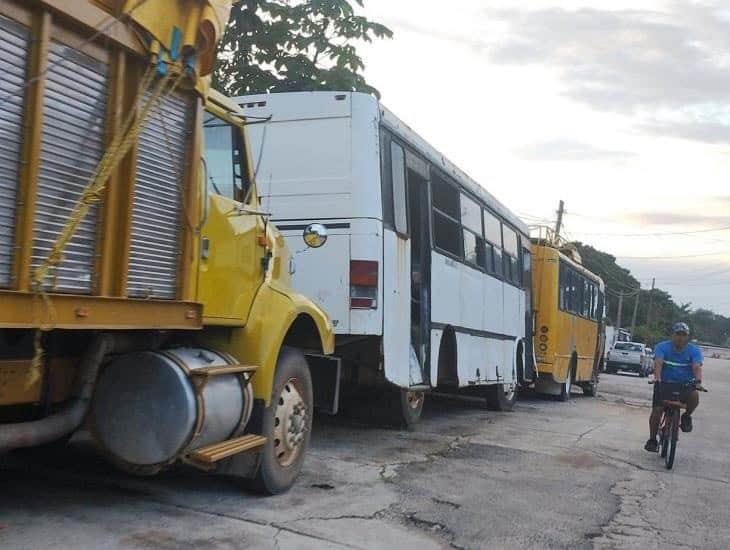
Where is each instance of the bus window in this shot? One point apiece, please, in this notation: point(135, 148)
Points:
point(511, 251)
point(387, 180)
point(526, 268)
point(223, 158)
point(471, 215)
point(398, 174)
point(587, 288)
point(493, 236)
point(446, 226)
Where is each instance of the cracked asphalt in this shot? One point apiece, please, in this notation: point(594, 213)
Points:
point(548, 475)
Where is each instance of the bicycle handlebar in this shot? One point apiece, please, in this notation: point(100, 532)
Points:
point(698, 388)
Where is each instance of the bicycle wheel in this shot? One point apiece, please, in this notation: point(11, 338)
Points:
point(674, 437)
point(663, 436)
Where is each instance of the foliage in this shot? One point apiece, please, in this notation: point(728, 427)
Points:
point(651, 327)
point(294, 45)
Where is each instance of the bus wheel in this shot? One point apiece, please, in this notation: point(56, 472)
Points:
point(501, 397)
point(591, 388)
point(287, 424)
point(565, 388)
point(411, 406)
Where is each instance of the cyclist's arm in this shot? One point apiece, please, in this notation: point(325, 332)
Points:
point(697, 364)
point(658, 362)
point(697, 370)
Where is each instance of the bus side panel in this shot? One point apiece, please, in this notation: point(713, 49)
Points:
point(322, 274)
point(514, 308)
point(397, 309)
point(447, 294)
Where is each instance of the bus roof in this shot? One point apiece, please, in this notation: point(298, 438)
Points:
point(409, 135)
point(327, 104)
point(572, 263)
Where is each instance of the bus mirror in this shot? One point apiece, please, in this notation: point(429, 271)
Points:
point(315, 235)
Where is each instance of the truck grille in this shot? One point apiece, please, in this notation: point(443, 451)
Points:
point(72, 145)
point(13, 53)
point(156, 216)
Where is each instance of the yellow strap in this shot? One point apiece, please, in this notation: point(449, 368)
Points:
point(117, 150)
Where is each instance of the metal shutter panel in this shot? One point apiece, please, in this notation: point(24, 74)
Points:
point(157, 211)
point(72, 146)
point(14, 44)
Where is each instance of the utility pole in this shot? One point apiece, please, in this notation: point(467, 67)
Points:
point(636, 307)
point(620, 310)
point(651, 302)
point(559, 223)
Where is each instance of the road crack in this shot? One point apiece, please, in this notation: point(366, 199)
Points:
point(629, 526)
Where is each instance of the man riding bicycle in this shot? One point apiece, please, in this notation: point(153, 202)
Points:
point(677, 362)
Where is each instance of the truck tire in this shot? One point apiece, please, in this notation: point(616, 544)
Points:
point(498, 398)
point(409, 406)
point(287, 424)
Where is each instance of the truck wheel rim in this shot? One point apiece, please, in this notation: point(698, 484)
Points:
point(414, 399)
point(290, 423)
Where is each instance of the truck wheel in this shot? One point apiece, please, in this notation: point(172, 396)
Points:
point(287, 424)
point(500, 397)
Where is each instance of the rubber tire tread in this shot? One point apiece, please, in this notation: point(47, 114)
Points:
point(271, 478)
point(496, 400)
point(673, 440)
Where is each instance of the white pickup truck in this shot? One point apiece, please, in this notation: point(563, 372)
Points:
point(629, 356)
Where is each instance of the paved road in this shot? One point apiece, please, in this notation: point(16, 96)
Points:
point(548, 475)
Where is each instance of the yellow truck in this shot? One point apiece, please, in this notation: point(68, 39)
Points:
point(143, 293)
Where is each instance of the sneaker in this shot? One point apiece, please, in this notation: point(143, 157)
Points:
point(686, 423)
point(652, 446)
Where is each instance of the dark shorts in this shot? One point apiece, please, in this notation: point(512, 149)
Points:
point(669, 391)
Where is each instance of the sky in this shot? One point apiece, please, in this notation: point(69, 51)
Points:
point(621, 109)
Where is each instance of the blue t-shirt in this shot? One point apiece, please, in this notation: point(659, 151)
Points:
point(677, 365)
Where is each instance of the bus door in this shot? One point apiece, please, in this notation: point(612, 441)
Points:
point(417, 176)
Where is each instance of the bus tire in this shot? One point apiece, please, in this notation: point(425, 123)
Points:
point(291, 405)
point(498, 398)
point(567, 386)
point(591, 388)
point(410, 406)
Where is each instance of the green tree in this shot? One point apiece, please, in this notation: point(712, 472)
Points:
point(294, 45)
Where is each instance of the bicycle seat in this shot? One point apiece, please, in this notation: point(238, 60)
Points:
point(674, 404)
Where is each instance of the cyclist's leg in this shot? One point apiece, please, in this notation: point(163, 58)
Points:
point(654, 419)
point(656, 412)
point(693, 399)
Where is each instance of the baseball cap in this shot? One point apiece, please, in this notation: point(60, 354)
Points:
point(680, 327)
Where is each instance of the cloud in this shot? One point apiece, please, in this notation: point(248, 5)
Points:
point(670, 68)
point(694, 219)
point(706, 132)
point(570, 150)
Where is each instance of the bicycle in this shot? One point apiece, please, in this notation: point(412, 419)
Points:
point(669, 423)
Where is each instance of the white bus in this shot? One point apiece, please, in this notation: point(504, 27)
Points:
point(425, 275)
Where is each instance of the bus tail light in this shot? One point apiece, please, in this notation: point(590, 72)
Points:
point(363, 284)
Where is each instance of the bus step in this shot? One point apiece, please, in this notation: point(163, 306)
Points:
point(224, 449)
point(420, 387)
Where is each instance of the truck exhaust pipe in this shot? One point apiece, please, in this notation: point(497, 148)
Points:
point(70, 417)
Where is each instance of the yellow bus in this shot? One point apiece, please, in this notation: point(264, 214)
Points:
point(569, 320)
